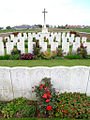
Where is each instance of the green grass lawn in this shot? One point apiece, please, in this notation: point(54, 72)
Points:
point(87, 30)
point(41, 119)
point(12, 30)
point(48, 63)
point(51, 30)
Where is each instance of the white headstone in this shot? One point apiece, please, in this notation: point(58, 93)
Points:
point(88, 47)
point(76, 45)
point(50, 40)
point(84, 39)
point(12, 36)
point(44, 47)
point(70, 40)
point(77, 39)
point(9, 47)
point(21, 47)
point(30, 47)
point(25, 36)
point(1, 49)
point(19, 35)
point(54, 46)
point(65, 48)
point(1, 39)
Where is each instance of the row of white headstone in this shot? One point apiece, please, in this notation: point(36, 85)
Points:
point(60, 39)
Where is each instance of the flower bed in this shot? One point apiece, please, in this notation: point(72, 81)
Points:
point(49, 104)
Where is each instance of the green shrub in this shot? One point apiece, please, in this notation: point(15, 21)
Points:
point(46, 56)
point(13, 107)
point(72, 105)
point(26, 41)
point(46, 96)
point(36, 49)
point(48, 46)
point(6, 57)
point(71, 56)
point(15, 55)
point(82, 51)
point(26, 45)
point(59, 52)
point(28, 111)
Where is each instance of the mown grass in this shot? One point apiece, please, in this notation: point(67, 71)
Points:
point(40, 119)
point(87, 30)
point(50, 30)
point(12, 30)
point(48, 63)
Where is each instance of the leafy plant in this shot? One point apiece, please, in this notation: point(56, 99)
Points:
point(82, 51)
point(14, 106)
point(46, 56)
point(15, 54)
point(28, 56)
point(28, 111)
point(72, 105)
point(36, 49)
point(5, 57)
point(75, 56)
point(46, 96)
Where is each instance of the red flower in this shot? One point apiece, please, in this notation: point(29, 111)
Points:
point(85, 46)
point(44, 88)
point(43, 85)
point(38, 114)
point(48, 89)
point(40, 87)
point(81, 46)
point(48, 94)
point(79, 97)
point(33, 87)
point(49, 108)
point(47, 100)
point(59, 102)
point(44, 96)
point(62, 111)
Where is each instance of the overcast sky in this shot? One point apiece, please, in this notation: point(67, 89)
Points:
point(60, 12)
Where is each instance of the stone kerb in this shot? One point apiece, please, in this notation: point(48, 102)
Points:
point(18, 81)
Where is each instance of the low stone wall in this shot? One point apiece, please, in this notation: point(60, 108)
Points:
point(18, 81)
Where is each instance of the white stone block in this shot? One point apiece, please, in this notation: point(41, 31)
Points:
point(37, 74)
point(19, 35)
point(12, 36)
point(65, 48)
point(54, 46)
point(50, 40)
point(60, 78)
point(64, 39)
point(1, 49)
point(77, 39)
point(75, 47)
point(44, 47)
point(9, 47)
point(70, 40)
point(88, 47)
point(1, 39)
point(79, 78)
point(88, 85)
point(30, 47)
point(84, 40)
point(21, 47)
point(5, 84)
point(25, 36)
